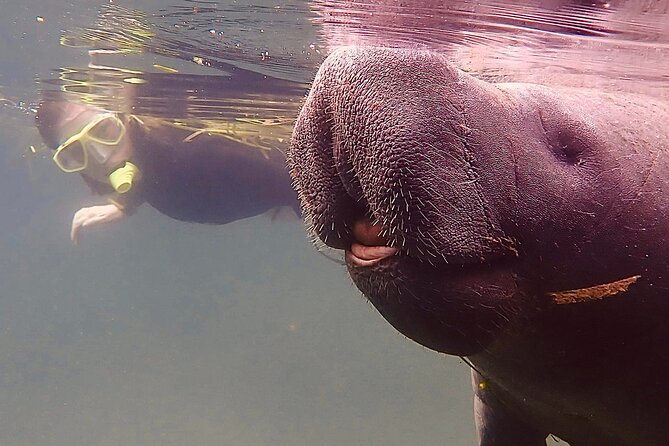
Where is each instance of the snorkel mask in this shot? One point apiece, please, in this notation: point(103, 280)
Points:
point(97, 140)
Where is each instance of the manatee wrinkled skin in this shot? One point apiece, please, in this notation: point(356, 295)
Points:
point(496, 196)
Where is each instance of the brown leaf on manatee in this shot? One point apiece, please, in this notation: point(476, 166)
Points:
point(595, 292)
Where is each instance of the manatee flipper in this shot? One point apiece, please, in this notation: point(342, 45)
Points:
point(496, 425)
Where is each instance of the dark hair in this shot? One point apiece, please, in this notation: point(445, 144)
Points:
point(49, 119)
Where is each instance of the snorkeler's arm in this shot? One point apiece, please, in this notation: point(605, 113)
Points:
point(119, 207)
point(92, 216)
point(128, 202)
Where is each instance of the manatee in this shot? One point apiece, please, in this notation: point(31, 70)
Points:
point(523, 227)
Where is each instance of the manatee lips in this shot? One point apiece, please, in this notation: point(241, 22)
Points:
point(370, 247)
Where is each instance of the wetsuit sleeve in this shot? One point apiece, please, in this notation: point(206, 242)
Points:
point(128, 203)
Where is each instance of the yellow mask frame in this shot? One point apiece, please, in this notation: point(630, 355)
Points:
point(84, 137)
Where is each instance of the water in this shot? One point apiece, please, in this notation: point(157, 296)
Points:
point(155, 331)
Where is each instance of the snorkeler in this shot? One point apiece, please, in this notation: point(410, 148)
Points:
point(205, 176)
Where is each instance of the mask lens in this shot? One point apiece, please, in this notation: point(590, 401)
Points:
point(71, 158)
point(108, 131)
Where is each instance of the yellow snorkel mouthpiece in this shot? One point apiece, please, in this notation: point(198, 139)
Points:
point(121, 179)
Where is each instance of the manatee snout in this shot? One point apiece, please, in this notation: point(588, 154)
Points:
point(386, 137)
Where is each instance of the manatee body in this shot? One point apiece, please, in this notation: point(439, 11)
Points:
point(466, 208)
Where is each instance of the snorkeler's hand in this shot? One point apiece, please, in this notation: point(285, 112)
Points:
point(92, 216)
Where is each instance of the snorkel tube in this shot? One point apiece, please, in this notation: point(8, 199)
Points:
point(121, 179)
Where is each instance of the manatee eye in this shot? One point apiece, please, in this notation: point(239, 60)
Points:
point(569, 148)
point(570, 139)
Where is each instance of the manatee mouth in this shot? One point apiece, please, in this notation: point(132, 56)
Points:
point(452, 305)
point(368, 244)
point(369, 247)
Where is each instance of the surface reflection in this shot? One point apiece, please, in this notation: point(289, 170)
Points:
point(616, 45)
